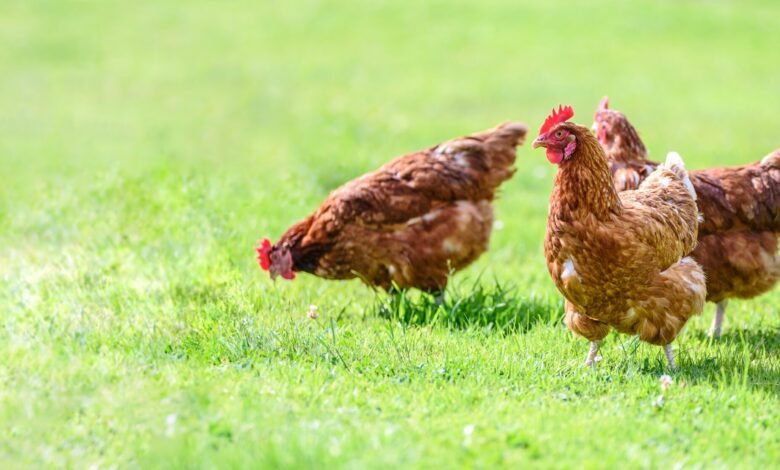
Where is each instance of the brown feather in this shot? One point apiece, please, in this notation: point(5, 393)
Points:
point(619, 259)
point(414, 220)
point(738, 238)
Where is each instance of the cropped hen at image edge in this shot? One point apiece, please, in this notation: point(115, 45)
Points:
point(740, 206)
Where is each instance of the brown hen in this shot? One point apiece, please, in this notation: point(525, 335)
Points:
point(738, 238)
point(619, 259)
point(408, 224)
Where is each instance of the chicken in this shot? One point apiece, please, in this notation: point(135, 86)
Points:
point(409, 224)
point(738, 238)
point(626, 153)
point(619, 259)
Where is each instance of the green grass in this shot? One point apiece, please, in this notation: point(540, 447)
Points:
point(146, 146)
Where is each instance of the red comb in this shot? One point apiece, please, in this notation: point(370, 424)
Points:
point(263, 252)
point(564, 113)
point(604, 104)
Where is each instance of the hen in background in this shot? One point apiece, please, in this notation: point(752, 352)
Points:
point(408, 224)
point(738, 238)
point(619, 259)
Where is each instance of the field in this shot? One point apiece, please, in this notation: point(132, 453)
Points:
point(146, 146)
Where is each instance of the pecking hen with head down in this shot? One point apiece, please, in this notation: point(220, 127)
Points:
point(408, 224)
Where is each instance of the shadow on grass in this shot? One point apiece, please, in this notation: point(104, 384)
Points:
point(740, 358)
point(763, 339)
point(495, 308)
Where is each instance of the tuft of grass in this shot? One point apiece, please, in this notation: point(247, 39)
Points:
point(487, 307)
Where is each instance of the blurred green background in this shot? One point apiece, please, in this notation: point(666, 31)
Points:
point(145, 146)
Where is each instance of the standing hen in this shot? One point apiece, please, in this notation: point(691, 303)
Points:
point(619, 259)
point(738, 239)
point(408, 224)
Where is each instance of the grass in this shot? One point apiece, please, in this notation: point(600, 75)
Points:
point(148, 145)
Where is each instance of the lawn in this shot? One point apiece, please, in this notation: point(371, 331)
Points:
point(146, 146)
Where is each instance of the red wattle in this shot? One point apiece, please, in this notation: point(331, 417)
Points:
point(554, 156)
point(289, 275)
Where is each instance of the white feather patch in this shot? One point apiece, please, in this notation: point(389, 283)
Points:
point(460, 159)
point(451, 245)
point(674, 159)
point(568, 270)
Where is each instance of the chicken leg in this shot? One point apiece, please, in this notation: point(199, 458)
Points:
point(438, 297)
point(717, 322)
point(670, 356)
point(593, 356)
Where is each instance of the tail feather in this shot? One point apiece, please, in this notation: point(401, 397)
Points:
point(506, 136)
point(491, 152)
point(740, 197)
point(770, 197)
point(771, 161)
point(674, 162)
point(500, 150)
point(509, 134)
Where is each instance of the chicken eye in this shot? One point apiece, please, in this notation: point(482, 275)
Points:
point(558, 134)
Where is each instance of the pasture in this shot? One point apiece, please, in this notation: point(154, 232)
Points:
point(147, 146)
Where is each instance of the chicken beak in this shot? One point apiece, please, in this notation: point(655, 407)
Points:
point(540, 142)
